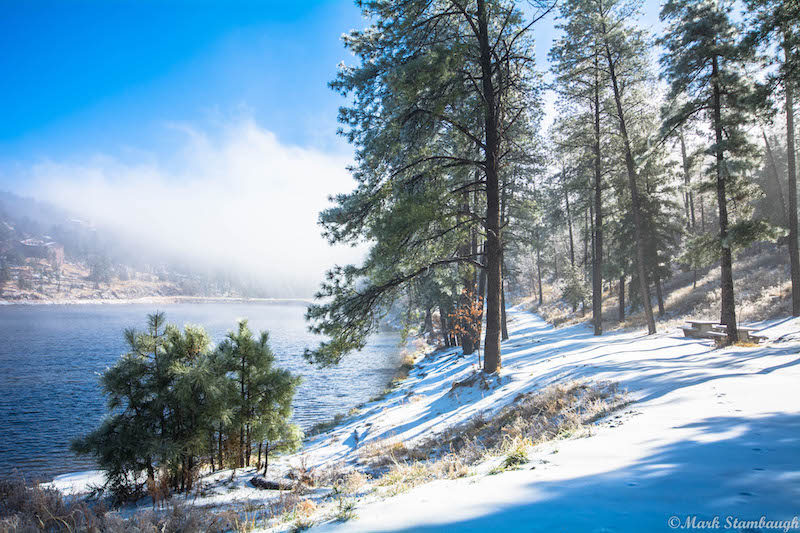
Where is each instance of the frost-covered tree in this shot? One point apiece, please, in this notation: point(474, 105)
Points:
point(265, 393)
point(172, 393)
point(776, 24)
point(440, 99)
point(705, 66)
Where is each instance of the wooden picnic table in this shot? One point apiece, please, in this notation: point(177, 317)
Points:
point(699, 328)
point(711, 329)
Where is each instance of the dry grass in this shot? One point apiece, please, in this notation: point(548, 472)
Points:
point(555, 412)
point(27, 507)
point(378, 453)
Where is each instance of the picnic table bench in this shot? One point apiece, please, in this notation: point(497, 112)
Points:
point(745, 333)
point(711, 329)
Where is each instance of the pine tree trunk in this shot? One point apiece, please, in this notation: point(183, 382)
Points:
point(776, 175)
point(597, 257)
point(258, 461)
point(702, 214)
point(190, 473)
point(211, 449)
point(494, 277)
point(588, 238)
point(481, 300)
point(504, 321)
point(622, 298)
point(569, 225)
point(728, 311)
point(443, 324)
point(219, 449)
point(555, 259)
point(660, 297)
point(794, 253)
point(241, 423)
point(466, 299)
point(266, 457)
point(638, 226)
point(427, 327)
point(687, 180)
point(539, 274)
point(248, 447)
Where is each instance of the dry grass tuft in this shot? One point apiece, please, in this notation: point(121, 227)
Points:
point(27, 507)
point(558, 411)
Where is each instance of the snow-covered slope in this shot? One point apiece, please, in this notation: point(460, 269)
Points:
point(712, 433)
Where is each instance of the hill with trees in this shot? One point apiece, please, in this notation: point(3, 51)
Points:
point(669, 154)
point(48, 254)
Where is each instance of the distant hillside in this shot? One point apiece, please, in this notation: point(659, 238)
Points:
point(48, 254)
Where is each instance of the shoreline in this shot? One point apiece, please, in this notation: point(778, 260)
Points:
point(152, 300)
point(678, 425)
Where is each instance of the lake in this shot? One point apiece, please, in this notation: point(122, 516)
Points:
point(51, 357)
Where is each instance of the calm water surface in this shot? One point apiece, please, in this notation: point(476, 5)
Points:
point(50, 358)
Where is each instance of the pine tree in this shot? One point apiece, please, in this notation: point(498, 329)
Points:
point(440, 89)
point(705, 65)
point(777, 23)
point(265, 394)
point(576, 62)
point(171, 395)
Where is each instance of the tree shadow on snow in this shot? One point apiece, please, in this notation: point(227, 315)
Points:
point(735, 466)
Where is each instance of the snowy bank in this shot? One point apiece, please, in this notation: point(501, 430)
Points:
point(711, 433)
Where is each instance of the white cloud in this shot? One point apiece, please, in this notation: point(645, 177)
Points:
point(236, 198)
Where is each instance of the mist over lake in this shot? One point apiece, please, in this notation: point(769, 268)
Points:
point(51, 357)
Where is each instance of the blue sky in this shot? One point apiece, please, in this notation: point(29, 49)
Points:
point(90, 76)
point(201, 128)
point(87, 76)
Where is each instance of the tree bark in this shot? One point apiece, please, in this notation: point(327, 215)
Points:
point(702, 214)
point(728, 311)
point(622, 298)
point(494, 277)
point(219, 449)
point(660, 297)
point(794, 253)
point(597, 257)
point(468, 341)
point(776, 175)
point(638, 228)
point(504, 321)
point(443, 324)
point(244, 409)
point(481, 296)
point(569, 220)
point(555, 259)
point(539, 274)
point(427, 327)
point(687, 181)
point(211, 449)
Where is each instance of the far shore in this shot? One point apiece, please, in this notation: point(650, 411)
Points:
point(152, 300)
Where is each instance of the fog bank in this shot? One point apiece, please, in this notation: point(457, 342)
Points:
point(235, 198)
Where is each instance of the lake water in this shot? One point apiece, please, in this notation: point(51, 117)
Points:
point(50, 358)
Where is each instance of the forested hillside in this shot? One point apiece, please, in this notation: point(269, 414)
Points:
point(665, 186)
point(48, 254)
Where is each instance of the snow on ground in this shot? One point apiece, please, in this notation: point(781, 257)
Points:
point(712, 433)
